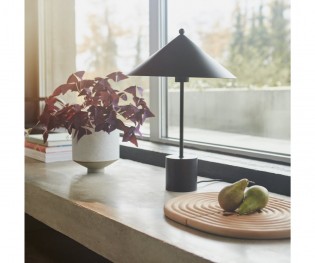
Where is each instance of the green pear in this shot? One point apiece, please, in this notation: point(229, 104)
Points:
point(256, 197)
point(230, 197)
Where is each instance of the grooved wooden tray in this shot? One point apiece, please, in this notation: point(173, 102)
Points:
point(202, 211)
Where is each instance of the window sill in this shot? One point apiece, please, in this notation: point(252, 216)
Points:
point(275, 177)
point(119, 215)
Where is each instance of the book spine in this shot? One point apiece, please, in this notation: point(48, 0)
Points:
point(37, 147)
point(48, 149)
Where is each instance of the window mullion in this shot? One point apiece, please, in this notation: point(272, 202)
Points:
point(158, 38)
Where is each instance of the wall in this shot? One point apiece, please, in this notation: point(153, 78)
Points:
point(57, 47)
point(50, 50)
point(31, 62)
point(258, 112)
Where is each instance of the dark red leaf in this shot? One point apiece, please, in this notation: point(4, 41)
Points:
point(52, 123)
point(85, 92)
point(80, 74)
point(97, 115)
point(129, 112)
point(62, 89)
point(131, 90)
point(147, 113)
point(133, 139)
point(101, 85)
point(106, 98)
point(45, 136)
point(120, 125)
point(81, 132)
point(130, 136)
point(80, 119)
point(76, 107)
point(117, 76)
point(85, 84)
point(137, 101)
point(75, 77)
point(102, 127)
point(140, 102)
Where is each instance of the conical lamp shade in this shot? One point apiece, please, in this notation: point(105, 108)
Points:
point(181, 58)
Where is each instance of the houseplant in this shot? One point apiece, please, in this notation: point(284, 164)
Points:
point(99, 108)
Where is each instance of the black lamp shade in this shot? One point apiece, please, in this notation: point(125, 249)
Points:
point(181, 58)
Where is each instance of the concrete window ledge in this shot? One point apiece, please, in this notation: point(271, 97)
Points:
point(274, 176)
point(119, 215)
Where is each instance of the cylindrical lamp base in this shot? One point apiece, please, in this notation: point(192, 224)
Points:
point(181, 173)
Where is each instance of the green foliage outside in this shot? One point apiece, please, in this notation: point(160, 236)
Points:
point(256, 48)
point(260, 52)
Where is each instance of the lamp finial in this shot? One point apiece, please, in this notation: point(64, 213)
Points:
point(181, 31)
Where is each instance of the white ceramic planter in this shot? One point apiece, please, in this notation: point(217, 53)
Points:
point(97, 150)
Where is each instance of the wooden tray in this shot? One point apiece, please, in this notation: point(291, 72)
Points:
point(202, 211)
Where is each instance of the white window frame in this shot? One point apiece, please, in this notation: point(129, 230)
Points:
point(158, 93)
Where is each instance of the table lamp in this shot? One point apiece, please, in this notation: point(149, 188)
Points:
point(181, 59)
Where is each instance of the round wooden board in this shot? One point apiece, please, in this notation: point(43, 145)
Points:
point(202, 211)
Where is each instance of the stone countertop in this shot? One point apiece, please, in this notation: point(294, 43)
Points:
point(119, 215)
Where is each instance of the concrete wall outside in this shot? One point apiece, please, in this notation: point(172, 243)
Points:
point(261, 112)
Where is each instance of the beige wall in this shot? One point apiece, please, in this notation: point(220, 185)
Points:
point(50, 49)
point(57, 48)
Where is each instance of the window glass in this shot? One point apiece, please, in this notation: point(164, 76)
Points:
point(252, 40)
point(113, 35)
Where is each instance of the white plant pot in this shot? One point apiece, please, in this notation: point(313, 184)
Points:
point(97, 150)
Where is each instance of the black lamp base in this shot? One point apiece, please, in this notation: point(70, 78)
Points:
point(181, 173)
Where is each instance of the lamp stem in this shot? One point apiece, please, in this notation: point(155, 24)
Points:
point(181, 120)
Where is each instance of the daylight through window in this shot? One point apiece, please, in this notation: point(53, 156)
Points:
point(252, 40)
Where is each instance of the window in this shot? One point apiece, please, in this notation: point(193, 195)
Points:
point(248, 116)
point(113, 35)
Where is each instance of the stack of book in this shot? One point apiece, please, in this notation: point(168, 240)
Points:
point(57, 148)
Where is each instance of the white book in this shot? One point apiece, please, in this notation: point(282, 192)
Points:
point(48, 157)
point(54, 139)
